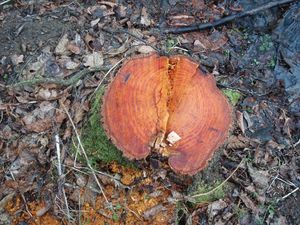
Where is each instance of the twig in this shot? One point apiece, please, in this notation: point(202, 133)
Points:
point(61, 181)
point(131, 34)
point(203, 26)
point(296, 144)
point(105, 75)
point(272, 182)
point(117, 182)
point(58, 155)
point(23, 197)
point(219, 186)
point(71, 81)
point(286, 182)
point(4, 2)
point(293, 191)
point(133, 212)
point(85, 155)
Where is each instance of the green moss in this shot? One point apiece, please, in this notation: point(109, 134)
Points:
point(94, 139)
point(234, 96)
point(202, 187)
point(239, 212)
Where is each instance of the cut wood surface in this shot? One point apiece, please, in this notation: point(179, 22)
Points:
point(166, 104)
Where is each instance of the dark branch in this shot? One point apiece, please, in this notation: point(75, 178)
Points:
point(203, 26)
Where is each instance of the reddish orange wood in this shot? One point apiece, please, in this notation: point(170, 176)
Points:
point(153, 96)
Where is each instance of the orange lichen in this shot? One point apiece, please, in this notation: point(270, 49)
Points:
point(128, 208)
point(128, 174)
point(154, 96)
point(13, 208)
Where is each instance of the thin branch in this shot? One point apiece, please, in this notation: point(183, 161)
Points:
point(204, 26)
point(134, 213)
point(60, 180)
point(4, 2)
point(85, 155)
point(111, 31)
point(293, 191)
point(108, 72)
point(58, 155)
point(71, 81)
point(219, 186)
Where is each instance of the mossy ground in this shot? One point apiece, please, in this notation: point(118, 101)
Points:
point(94, 139)
point(202, 187)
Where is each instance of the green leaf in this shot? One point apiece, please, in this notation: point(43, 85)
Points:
point(118, 206)
point(234, 96)
point(115, 217)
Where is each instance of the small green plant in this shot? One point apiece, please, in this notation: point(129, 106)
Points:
point(94, 139)
point(118, 206)
point(227, 52)
point(115, 217)
point(239, 212)
point(233, 96)
point(256, 62)
point(5, 77)
point(269, 211)
point(271, 64)
point(266, 43)
point(171, 43)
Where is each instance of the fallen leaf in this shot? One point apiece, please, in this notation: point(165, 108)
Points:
point(249, 203)
point(79, 110)
point(260, 178)
point(71, 65)
point(145, 49)
point(95, 22)
point(72, 47)
point(59, 116)
point(40, 125)
point(240, 121)
point(93, 60)
point(145, 20)
point(153, 211)
point(215, 208)
point(46, 94)
point(61, 48)
point(17, 59)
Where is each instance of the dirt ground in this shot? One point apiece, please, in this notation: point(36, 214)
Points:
point(57, 57)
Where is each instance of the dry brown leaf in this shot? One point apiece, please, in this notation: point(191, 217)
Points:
point(260, 178)
point(71, 65)
point(72, 47)
point(145, 49)
point(61, 48)
point(93, 60)
point(153, 211)
point(215, 208)
point(40, 125)
point(46, 94)
point(249, 203)
point(17, 59)
point(59, 116)
point(145, 20)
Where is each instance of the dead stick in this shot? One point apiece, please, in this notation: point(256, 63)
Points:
point(84, 153)
point(71, 81)
point(203, 26)
point(192, 198)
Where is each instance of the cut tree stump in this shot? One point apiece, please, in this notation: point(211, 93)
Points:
point(166, 104)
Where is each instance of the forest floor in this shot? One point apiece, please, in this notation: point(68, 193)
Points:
point(57, 57)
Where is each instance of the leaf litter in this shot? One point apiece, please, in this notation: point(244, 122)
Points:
point(266, 132)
